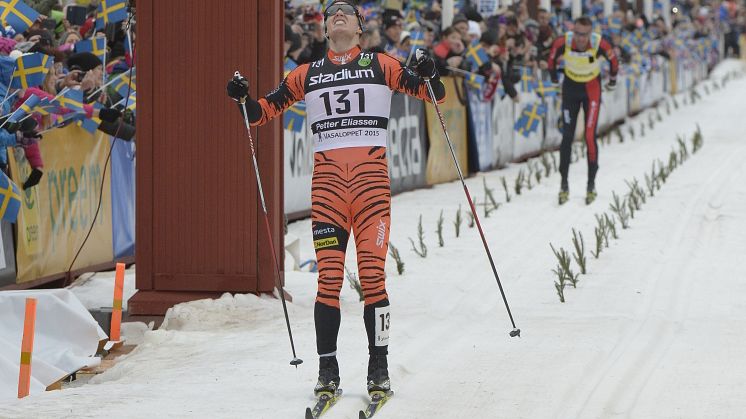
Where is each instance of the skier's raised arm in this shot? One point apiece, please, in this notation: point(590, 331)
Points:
point(273, 104)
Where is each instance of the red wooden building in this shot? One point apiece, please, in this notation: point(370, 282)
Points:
point(198, 213)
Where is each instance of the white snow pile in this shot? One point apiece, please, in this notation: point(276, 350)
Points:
point(227, 312)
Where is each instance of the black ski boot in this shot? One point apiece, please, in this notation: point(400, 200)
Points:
point(378, 375)
point(590, 194)
point(564, 194)
point(328, 376)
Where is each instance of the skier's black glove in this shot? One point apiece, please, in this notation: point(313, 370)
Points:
point(238, 88)
point(109, 114)
point(424, 64)
point(33, 178)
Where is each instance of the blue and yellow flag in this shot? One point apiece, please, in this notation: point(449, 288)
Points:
point(17, 14)
point(122, 85)
point(11, 199)
point(72, 100)
point(90, 124)
point(62, 120)
point(290, 65)
point(528, 84)
point(295, 117)
point(110, 11)
point(530, 119)
point(47, 107)
point(30, 70)
point(547, 89)
point(96, 46)
point(25, 109)
point(477, 55)
point(474, 80)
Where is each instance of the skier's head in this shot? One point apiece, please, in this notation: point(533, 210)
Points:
point(582, 28)
point(342, 19)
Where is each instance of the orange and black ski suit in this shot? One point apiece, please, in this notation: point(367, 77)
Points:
point(348, 101)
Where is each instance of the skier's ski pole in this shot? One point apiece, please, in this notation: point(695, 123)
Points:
point(516, 331)
point(296, 361)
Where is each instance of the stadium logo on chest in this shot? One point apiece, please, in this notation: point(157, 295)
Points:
point(341, 75)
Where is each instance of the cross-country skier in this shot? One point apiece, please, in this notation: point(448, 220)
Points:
point(580, 49)
point(348, 101)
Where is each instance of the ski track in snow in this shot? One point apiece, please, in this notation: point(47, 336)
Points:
point(654, 330)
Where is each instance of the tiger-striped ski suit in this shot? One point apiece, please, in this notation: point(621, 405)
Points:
point(348, 101)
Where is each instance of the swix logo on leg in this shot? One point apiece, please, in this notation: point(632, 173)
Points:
point(344, 74)
point(592, 113)
point(381, 238)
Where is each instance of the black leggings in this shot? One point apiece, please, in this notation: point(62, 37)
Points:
point(575, 95)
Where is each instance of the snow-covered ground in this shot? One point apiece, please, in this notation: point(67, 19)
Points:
point(654, 330)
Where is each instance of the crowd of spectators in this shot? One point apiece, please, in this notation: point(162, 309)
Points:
point(73, 70)
point(512, 38)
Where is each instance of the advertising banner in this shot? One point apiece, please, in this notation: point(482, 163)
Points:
point(440, 167)
point(407, 144)
point(481, 150)
point(57, 213)
point(298, 170)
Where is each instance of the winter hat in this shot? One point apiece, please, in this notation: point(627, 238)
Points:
point(6, 45)
point(84, 61)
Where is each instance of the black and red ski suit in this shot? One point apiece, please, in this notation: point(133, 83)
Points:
point(581, 87)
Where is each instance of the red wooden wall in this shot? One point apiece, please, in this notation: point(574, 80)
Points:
point(199, 225)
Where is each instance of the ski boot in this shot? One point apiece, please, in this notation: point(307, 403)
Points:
point(591, 194)
point(379, 386)
point(378, 376)
point(328, 377)
point(564, 194)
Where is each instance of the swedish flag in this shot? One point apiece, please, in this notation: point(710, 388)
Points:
point(110, 11)
point(476, 55)
point(47, 107)
point(17, 14)
point(122, 85)
point(546, 89)
point(295, 116)
point(61, 120)
point(290, 65)
point(89, 124)
point(72, 100)
point(25, 109)
point(11, 199)
point(474, 80)
point(530, 119)
point(30, 70)
point(528, 84)
point(96, 46)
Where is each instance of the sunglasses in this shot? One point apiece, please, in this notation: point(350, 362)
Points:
point(347, 9)
point(581, 33)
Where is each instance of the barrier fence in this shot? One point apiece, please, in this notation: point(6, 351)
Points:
point(56, 214)
point(483, 132)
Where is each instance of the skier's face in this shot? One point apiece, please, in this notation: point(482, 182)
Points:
point(341, 20)
point(582, 34)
